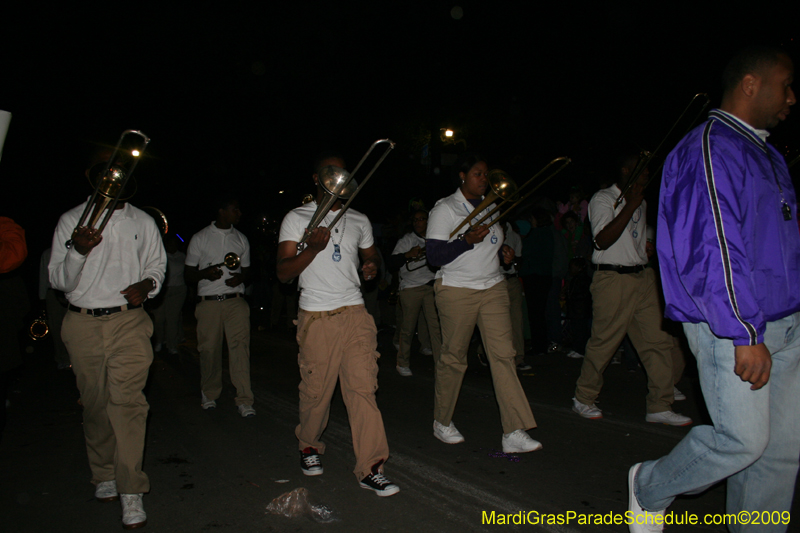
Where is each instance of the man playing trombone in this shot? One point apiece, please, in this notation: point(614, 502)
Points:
point(625, 299)
point(336, 334)
point(106, 278)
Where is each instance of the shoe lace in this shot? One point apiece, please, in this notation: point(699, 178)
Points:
point(311, 460)
point(380, 479)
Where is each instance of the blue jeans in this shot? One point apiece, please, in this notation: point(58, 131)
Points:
point(755, 440)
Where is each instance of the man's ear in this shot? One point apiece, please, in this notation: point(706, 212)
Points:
point(750, 84)
point(315, 177)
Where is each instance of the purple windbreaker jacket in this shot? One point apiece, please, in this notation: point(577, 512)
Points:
point(728, 257)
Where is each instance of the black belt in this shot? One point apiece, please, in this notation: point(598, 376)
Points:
point(219, 297)
point(104, 311)
point(622, 269)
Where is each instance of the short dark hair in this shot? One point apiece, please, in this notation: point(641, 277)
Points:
point(322, 156)
point(226, 200)
point(466, 161)
point(749, 60)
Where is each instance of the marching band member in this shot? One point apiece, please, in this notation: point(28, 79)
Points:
point(416, 291)
point(336, 334)
point(106, 278)
point(470, 289)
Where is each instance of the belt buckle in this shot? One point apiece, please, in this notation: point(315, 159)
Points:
point(220, 297)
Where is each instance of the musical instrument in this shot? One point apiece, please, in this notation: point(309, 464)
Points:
point(422, 258)
point(160, 218)
point(110, 184)
point(500, 186)
point(515, 194)
point(39, 328)
point(645, 157)
point(231, 261)
point(338, 184)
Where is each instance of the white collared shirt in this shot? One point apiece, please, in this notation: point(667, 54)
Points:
point(414, 273)
point(327, 284)
point(478, 268)
point(629, 250)
point(209, 246)
point(131, 251)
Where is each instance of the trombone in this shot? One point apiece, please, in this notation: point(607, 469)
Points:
point(338, 184)
point(645, 157)
point(110, 184)
point(512, 187)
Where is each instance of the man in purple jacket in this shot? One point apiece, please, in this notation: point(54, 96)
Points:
point(729, 249)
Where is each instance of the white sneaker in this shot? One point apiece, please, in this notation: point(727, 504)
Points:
point(574, 355)
point(641, 521)
point(205, 403)
point(586, 411)
point(426, 351)
point(106, 491)
point(669, 418)
point(404, 371)
point(247, 411)
point(678, 395)
point(447, 434)
point(519, 441)
point(133, 515)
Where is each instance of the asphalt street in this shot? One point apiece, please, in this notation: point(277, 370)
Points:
point(215, 471)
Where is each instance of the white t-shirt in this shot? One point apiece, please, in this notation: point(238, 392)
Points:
point(327, 284)
point(209, 246)
point(478, 268)
point(629, 250)
point(414, 273)
point(131, 251)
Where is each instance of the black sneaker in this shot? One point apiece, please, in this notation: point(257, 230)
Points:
point(377, 481)
point(309, 462)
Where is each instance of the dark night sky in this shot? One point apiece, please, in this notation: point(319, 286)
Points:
point(242, 97)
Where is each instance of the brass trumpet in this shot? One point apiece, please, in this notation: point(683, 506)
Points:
point(645, 157)
point(422, 259)
point(514, 191)
point(338, 184)
point(232, 261)
point(109, 185)
point(39, 328)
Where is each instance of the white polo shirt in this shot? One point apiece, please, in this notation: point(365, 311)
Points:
point(629, 250)
point(326, 283)
point(131, 251)
point(478, 268)
point(209, 246)
point(414, 273)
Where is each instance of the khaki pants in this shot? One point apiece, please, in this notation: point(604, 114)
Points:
point(414, 300)
point(459, 310)
point(230, 318)
point(341, 344)
point(627, 303)
point(111, 357)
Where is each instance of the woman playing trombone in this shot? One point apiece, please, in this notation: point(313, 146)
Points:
point(471, 289)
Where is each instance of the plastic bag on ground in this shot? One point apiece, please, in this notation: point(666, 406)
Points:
point(296, 503)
